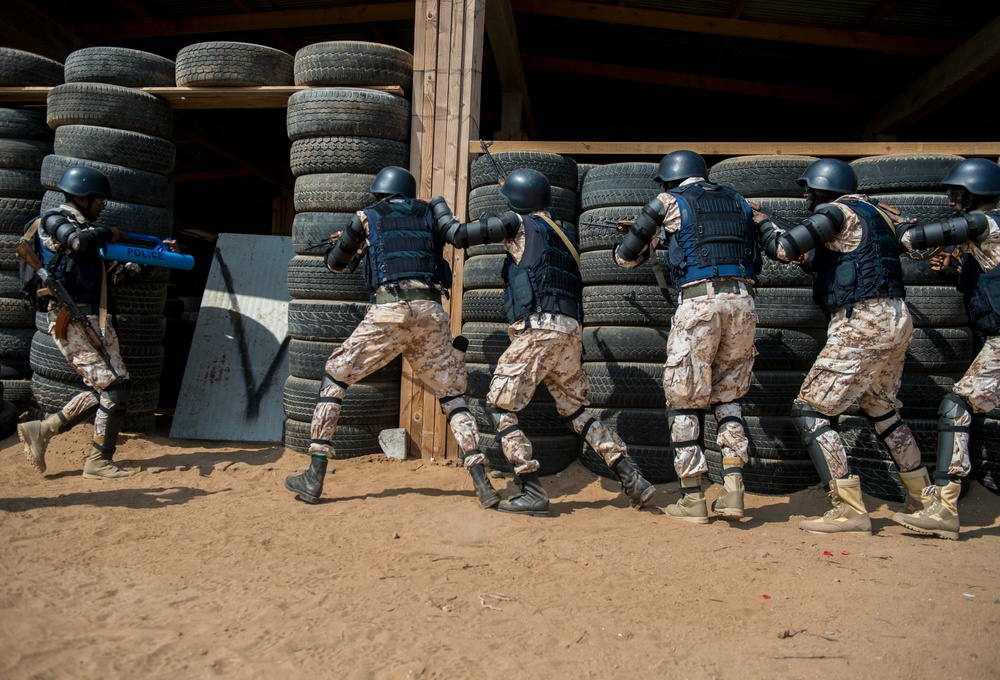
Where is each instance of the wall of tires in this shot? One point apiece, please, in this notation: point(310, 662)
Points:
point(342, 134)
point(627, 319)
point(101, 120)
point(25, 141)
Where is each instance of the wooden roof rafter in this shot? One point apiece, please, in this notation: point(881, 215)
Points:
point(149, 27)
point(503, 40)
point(975, 59)
point(692, 81)
point(737, 28)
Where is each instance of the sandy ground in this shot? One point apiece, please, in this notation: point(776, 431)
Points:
point(203, 565)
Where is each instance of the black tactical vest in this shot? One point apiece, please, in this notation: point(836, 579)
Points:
point(403, 244)
point(714, 239)
point(984, 301)
point(871, 270)
point(547, 279)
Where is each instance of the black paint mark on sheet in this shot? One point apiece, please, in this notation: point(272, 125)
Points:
point(255, 392)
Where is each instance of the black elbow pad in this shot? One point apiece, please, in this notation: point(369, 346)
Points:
point(487, 229)
point(818, 229)
point(338, 257)
point(441, 213)
point(643, 230)
point(973, 226)
point(85, 240)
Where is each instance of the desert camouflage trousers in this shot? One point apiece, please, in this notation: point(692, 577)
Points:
point(863, 362)
point(94, 370)
point(710, 355)
point(420, 331)
point(980, 388)
point(551, 357)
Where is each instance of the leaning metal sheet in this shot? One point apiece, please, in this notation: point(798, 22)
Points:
point(233, 382)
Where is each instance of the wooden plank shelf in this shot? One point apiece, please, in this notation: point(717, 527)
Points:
point(265, 97)
point(745, 148)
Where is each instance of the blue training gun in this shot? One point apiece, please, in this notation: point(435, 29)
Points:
point(155, 256)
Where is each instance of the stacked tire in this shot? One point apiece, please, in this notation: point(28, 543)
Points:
point(626, 322)
point(25, 140)
point(484, 322)
point(342, 134)
point(102, 121)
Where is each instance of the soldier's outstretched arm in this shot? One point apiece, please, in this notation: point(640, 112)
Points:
point(487, 229)
point(788, 245)
point(347, 245)
point(76, 239)
point(641, 232)
point(973, 226)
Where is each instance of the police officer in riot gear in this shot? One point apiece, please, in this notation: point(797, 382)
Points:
point(973, 188)
point(70, 241)
point(406, 273)
point(543, 300)
point(713, 259)
point(850, 246)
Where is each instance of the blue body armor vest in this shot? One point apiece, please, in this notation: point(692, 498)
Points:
point(403, 244)
point(79, 273)
point(871, 270)
point(547, 279)
point(715, 239)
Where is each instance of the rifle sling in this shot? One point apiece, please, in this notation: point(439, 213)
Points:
point(565, 239)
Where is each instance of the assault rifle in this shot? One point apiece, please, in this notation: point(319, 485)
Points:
point(330, 243)
point(497, 168)
point(622, 225)
point(70, 312)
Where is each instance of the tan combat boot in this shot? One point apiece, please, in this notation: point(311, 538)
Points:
point(848, 512)
point(729, 504)
point(941, 518)
point(692, 506)
point(100, 466)
point(915, 482)
point(36, 435)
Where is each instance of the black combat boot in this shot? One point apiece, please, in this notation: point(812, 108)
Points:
point(531, 501)
point(488, 497)
point(639, 491)
point(309, 485)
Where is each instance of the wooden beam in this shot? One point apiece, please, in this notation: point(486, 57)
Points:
point(978, 57)
point(148, 27)
point(693, 81)
point(884, 8)
point(708, 148)
point(447, 79)
point(264, 97)
point(27, 28)
point(737, 28)
point(503, 40)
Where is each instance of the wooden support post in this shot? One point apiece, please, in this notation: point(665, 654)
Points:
point(447, 78)
point(282, 215)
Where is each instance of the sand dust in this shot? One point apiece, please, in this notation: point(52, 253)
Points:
point(203, 565)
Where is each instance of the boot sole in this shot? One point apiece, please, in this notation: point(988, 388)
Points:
point(491, 503)
point(845, 531)
point(948, 535)
point(644, 498)
point(87, 475)
point(311, 500)
point(692, 520)
point(729, 514)
point(28, 453)
point(533, 513)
